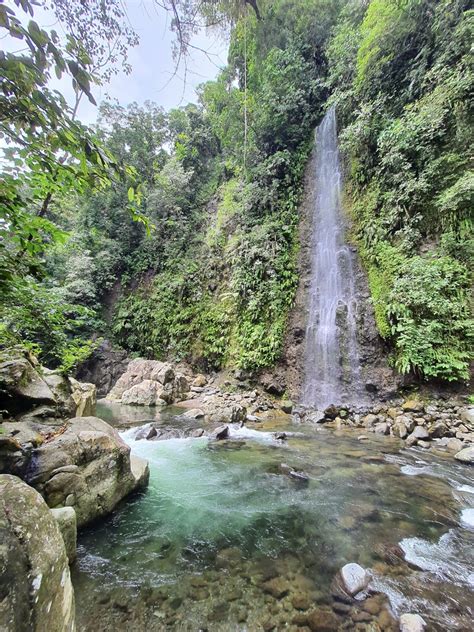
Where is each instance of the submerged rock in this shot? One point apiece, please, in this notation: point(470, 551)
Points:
point(412, 623)
point(36, 590)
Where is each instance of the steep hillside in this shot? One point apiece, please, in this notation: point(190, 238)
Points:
point(215, 277)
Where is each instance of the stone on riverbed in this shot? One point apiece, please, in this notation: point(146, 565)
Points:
point(466, 455)
point(412, 623)
point(37, 594)
point(354, 578)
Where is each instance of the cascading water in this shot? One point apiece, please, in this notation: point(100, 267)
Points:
point(332, 363)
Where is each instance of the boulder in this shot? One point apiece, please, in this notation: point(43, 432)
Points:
point(412, 623)
point(467, 416)
point(65, 518)
point(145, 393)
point(354, 578)
point(438, 430)
point(418, 433)
point(413, 406)
point(193, 413)
point(466, 455)
point(200, 380)
point(86, 467)
point(287, 406)
point(331, 412)
point(84, 396)
point(36, 593)
point(25, 385)
point(220, 433)
point(454, 444)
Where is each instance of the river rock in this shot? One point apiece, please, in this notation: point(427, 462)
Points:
point(287, 406)
point(104, 473)
point(36, 591)
point(84, 396)
point(220, 433)
point(467, 416)
point(412, 623)
point(200, 380)
point(146, 393)
point(354, 578)
point(322, 621)
point(438, 430)
point(466, 455)
point(65, 518)
point(413, 406)
point(454, 444)
point(418, 433)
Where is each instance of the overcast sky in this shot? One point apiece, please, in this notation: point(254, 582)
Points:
point(152, 62)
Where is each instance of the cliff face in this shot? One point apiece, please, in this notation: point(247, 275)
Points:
point(379, 379)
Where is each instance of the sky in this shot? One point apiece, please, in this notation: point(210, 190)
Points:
point(152, 62)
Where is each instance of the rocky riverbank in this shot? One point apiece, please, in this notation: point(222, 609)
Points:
point(445, 425)
point(60, 468)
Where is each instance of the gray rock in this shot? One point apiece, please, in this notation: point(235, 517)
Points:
point(220, 433)
point(146, 393)
point(37, 594)
point(412, 623)
point(65, 518)
point(84, 396)
point(413, 406)
point(438, 430)
point(369, 421)
point(287, 406)
point(354, 578)
point(382, 429)
point(454, 444)
point(466, 455)
point(418, 433)
point(467, 416)
point(193, 413)
point(104, 475)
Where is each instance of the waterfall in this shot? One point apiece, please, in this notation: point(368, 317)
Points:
point(332, 363)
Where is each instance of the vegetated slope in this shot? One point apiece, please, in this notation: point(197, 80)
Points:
point(216, 279)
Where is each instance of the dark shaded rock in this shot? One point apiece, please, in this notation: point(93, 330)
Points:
point(36, 593)
point(322, 621)
point(331, 412)
point(220, 433)
point(277, 587)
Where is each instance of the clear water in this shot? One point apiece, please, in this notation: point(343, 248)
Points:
point(219, 520)
point(332, 364)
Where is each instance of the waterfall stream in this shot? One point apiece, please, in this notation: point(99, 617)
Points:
point(332, 363)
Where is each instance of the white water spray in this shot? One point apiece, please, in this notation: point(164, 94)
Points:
point(332, 363)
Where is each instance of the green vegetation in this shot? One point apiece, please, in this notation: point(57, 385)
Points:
point(212, 276)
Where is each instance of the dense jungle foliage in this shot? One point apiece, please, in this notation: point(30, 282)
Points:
point(211, 273)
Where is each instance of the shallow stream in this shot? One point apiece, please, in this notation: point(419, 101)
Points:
point(223, 540)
